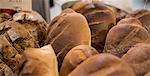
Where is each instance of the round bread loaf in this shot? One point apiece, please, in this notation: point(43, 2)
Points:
point(125, 35)
point(75, 57)
point(138, 57)
point(103, 65)
point(34, 23)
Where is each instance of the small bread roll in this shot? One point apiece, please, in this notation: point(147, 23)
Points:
point(40, 62)
point(75, 57)
point(139, 58)
point(103, 65)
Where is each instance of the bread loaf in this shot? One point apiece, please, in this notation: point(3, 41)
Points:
point(18, 36)
point(125, 35)
point(34, 23)
point(103, 65)
point(66, 31)
point(101, 19)
point(10, 56)
point(40, 62)
point(75, 57)
point(138, 57)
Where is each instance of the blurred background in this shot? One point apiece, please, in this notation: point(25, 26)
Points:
point(51, 8)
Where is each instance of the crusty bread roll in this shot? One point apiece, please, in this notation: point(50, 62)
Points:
point(75, 57)
point(68, 30)
point(139, 58)
point(103, 65)
point(125, 35)
point(40, 62)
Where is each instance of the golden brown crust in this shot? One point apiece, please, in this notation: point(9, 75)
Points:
point(79, 5)
point(104, 65)
point(70, 30)
point(40, 62)
point(75, 57)
point(131, 21)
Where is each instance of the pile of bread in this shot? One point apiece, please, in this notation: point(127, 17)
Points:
point(86, 39)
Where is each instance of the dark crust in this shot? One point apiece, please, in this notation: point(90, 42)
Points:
point(34, 27)
point(5, 70)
